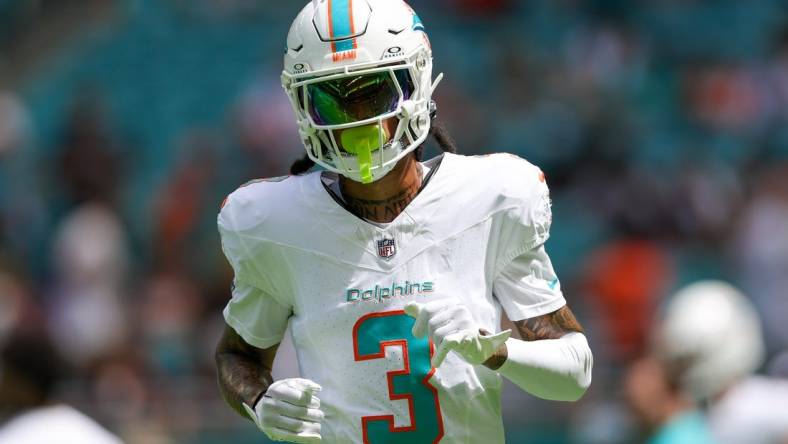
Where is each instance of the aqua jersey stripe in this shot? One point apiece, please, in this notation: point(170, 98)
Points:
point(340, 24)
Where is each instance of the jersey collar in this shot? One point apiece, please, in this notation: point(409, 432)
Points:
point(409, 229)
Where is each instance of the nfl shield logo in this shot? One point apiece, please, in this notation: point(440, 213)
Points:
point(387, 248)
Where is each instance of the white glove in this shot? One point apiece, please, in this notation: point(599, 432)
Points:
point(289, 411)
point(450, 325)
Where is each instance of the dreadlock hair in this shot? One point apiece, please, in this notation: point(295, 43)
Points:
point(438, 131)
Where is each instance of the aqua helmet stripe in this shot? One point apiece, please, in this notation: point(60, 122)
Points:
point(341, 25)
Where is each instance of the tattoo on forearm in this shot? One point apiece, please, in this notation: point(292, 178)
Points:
point(242, 372)
point(550, 326)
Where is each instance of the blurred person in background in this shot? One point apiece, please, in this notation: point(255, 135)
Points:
point(86, 309)
point(668, 414)
point(715, 331)
point(698, 384)
point(90, 257)
point(29, 412)
point(623, 281)
point(761, 244)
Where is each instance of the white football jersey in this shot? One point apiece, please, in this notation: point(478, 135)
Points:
point(475, 235)
point(754, 411)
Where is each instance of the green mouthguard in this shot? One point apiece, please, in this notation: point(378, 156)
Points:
point(362, 141)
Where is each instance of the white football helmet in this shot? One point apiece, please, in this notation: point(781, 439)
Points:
point(713, 333)
point(359, 77)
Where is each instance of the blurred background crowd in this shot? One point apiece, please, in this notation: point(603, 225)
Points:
point(662, 127)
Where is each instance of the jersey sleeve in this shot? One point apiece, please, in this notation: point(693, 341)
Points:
point(525, 282)
point(254, 312)
point(257, 317)
point(528, 287)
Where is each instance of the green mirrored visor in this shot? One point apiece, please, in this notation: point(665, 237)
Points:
point(356, 98)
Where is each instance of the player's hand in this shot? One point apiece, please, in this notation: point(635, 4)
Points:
point(289, 411)
point(451, 327)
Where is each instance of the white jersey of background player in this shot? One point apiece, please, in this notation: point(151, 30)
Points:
point(392, 273)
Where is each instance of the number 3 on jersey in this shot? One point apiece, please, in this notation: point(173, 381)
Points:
point(371, 335)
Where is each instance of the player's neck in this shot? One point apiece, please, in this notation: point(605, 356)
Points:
point(383, 200)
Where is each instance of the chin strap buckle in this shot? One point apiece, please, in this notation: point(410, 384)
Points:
point(433, 107)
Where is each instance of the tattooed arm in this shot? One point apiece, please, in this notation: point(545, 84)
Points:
point(550, 326)
point(244, 371)
point(553, 361)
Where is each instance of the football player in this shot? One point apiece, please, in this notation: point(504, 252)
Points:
point(713, 364)
point(392, 272)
